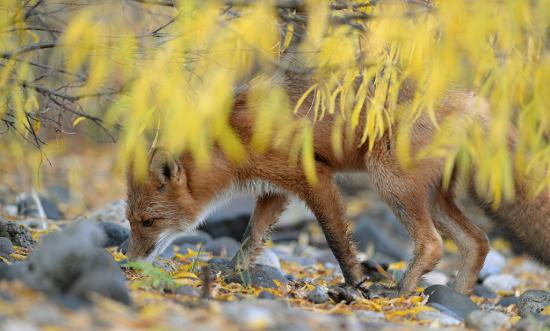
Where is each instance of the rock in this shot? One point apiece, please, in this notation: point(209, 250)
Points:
point(494, 263)
point(123, 248)
point(109, 283)
point(32, 205)
point(369, 232)
point(508, 301)
point(370, 316)
point(532, 302)
point(73, 263)
point(16, 233)
point(318, 295)
point(186, 290)
point(265, 295)
point(483, 292)
point(434, 278)
point(487, 320)
point(7, 272)
point(114, 212)
point(257, 276)
point(436, 316)
point(326, 256)
point(6, 247)
point(45, 315)
point(223, 246)
point(456, 302)
point(531, 323)
point(116, 234)
point(249, 315)
point(51, 209)
point(193, 238)
point(267, 257)
point(501, 282)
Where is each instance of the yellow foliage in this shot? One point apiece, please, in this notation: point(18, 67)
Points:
point(180, 68)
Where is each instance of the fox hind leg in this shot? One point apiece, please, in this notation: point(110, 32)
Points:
point(266, 214)
point(471, 241)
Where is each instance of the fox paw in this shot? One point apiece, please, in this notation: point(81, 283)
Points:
point(348, 293)
point(378, 291)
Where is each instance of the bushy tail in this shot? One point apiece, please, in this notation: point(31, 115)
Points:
point(526, 217)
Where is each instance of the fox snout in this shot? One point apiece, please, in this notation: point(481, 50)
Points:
point(139, 252)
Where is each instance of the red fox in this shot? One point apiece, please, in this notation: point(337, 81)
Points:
point(178, 194)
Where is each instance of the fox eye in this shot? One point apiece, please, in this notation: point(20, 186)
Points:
point(148, 223)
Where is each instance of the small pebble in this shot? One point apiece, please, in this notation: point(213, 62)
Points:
point(533, 302)
point(488, 321)
point(318, 295)
point(501, 282)
point(6, 247)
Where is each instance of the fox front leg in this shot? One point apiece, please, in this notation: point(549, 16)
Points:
point(266, 214)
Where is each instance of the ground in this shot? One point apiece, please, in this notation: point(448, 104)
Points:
point(289, 293)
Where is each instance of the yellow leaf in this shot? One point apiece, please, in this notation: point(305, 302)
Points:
point(78, 120)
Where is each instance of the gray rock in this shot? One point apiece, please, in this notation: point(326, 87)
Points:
point(369, 232)
point(114, 212)
point(267, 257)
point(32, 205)
point(45, 315)
point(108, 283)
point(318, 295)
point(72, 262)
point(501, 282)
point(223, 246)
point(483, 292)
point(193, 238)
point(265, 295)
point(434, 278)
point(370, 316)
point(487, 320)
point(16, 233)
point(257, 276)
point(6, 247)
point(508, 301)
point(116, 234)
point(7, 272)
point(533, 323)
point(249, 315)
point(494, 263)
point(456, 302)
point(436, 316)
point(187, 290)
point(533, 302)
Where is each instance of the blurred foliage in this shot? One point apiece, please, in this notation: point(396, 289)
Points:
point(167, 72)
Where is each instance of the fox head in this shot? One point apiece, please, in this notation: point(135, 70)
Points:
point(159, 207)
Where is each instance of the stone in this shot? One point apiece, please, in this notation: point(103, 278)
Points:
point(537, 323)
point(439, 317)
point(318, 295)
point(434, 278)
point(114, 212)
point(501, 282)
point(32, 205)
point(187, 290)
point(223, 246)
point(483, 292)
point(456, 302)
point(6, 247)
point(250, 315)
point(116, 234)
point(258, 276)
point(368, 232)
point(494, 263)
point(488, 321)
point(72, 263)
point(193, 238)
point(532, 302)
point(108, 283)
point(266, 295)
point(370, 316)
point(18, 234)
point(267, 257)
point(508, 301)
point(7, 272)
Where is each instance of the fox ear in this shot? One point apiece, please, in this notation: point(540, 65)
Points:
point(163, 167)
